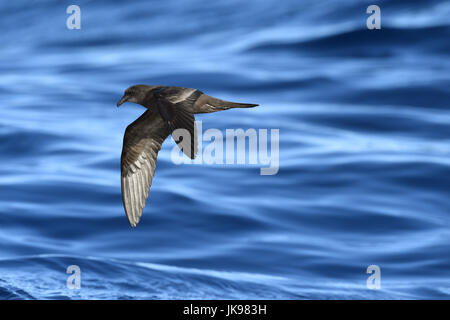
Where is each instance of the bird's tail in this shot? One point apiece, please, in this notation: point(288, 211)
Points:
point(206, 104)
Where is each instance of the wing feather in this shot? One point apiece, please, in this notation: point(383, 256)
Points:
point(141, 144)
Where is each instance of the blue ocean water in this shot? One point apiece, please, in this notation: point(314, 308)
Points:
point(363, 117)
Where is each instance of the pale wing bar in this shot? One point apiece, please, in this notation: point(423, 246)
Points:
point(208, 104)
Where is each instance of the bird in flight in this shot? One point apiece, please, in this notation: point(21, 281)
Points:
point(170, 110)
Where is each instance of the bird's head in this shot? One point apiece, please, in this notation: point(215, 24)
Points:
point(135, 94)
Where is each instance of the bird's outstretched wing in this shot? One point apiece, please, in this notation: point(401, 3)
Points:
point(179, 116)
point(141, 144)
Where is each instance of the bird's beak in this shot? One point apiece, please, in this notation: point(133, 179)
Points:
point(124, 98)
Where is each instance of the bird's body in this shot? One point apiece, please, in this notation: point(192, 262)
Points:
point(169, 110)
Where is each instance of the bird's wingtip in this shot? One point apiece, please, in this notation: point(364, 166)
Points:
point(133, 223)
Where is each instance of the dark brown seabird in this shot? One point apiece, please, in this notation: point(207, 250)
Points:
point(168, 109)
